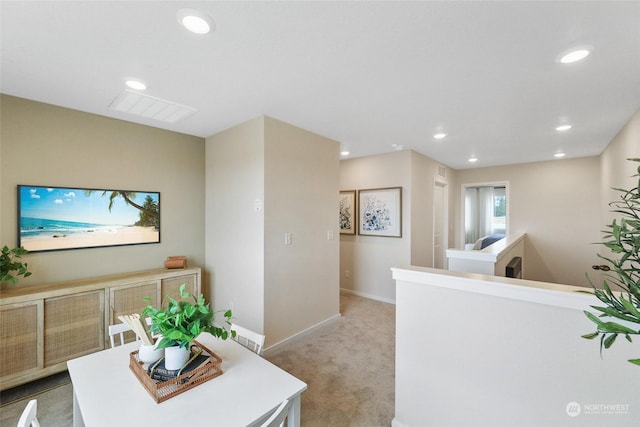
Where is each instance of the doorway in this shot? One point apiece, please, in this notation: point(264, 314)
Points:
point(440, 222)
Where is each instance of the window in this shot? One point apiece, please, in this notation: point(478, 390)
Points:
point(499, 219)
point(485, 210)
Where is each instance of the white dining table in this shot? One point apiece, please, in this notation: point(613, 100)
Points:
point(107, 393)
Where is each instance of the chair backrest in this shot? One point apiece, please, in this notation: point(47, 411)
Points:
point(118, 329)
point(277, 418)
point(252, 340)
point(29, 415)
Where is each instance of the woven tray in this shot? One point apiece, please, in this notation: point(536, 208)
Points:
point(163, 390)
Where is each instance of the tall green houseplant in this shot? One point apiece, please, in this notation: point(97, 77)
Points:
point(620, 314)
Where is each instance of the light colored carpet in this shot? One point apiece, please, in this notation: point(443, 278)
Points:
point(348, 366)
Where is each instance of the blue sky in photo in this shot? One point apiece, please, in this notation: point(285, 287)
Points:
point(72, 204)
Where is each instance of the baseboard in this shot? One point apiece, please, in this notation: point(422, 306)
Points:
point(369, 296)
point(302, 333)
point(266, 351)
point(396, 423)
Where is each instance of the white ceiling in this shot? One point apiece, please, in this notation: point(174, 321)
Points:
point(367, 74)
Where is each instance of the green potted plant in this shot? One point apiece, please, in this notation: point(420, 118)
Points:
point(181, 322)
point(9, 264)
point(621, 312)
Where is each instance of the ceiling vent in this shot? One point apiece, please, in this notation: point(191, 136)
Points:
point(153, 108)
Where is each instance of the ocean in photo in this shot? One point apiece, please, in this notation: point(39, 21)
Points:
point(40, 227)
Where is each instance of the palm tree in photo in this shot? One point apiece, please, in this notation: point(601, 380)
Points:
point(149, 210)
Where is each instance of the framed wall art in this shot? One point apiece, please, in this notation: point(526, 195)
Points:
point(380, 212)
point(57, 218)
point(347, 211)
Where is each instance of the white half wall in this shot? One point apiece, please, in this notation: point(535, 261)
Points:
point(484, 351)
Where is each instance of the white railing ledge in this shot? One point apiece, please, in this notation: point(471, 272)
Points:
point(492, 253)
point(553, 294)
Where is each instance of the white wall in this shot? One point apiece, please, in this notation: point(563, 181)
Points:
point(273, 288)
point(557, 204)
point(494, 352)
point(42, 144)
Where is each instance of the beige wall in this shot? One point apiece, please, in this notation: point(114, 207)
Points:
point(301, 191)
point(274, 288)
point(617, 172)
point(424, 172)
point(557, 203)
point(42, 144)
point(234, 229)
point(368, 259)
point(365, 261)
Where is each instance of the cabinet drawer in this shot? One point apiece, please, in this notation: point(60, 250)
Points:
point(171, 286)
point(19, 337)
point(74, 326)
point(129, 299)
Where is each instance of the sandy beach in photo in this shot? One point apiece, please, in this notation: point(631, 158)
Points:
point(116, 236)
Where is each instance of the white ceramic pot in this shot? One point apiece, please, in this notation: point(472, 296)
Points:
point(175, 357)
point(149, 353)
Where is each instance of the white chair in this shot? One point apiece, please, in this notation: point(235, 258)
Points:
point(118, 329)
point(277, 418)
point(252, 340)
point(121, 328)
point(28, 417)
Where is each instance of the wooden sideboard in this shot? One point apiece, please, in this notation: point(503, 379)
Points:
point(41, 327)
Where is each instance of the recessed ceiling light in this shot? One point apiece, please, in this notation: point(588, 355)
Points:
point(195, 21)
point(440, 135)
point(344, 153)
point(473, 159)
point(398, 147)
point(574, 55)
point(136, 84)
point(563, 128)
point(559, 155)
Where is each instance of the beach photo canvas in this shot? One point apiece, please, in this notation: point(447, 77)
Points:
point(57, 218)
